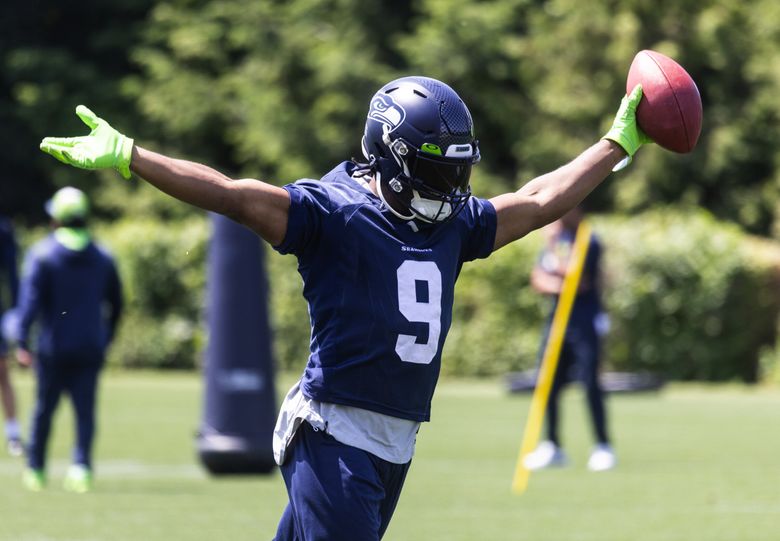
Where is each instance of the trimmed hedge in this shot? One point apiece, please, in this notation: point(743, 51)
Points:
point(162, 267)
point(692, 299)
point(689, 298)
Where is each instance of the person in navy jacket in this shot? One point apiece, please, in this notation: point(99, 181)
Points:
point(8, 296)
point(380, 243)
point(580, 355)
point(70, 285)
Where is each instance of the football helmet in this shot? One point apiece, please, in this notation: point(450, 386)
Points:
point(419, 140)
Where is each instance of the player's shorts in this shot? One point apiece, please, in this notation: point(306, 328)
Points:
point(337, 491)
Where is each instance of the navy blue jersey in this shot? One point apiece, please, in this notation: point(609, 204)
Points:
point(8, 274)
point(380, 292)
point(9, 283)
point(588, 300)
point(76, 295)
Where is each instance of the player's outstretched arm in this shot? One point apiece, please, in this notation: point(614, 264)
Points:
point(550, 196)
point(258, 205)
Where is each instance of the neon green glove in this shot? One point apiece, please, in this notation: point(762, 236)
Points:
point(103, 148)
point(625, 131)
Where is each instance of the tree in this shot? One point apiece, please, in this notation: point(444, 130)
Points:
point(274, 90)
point(543, 78)
point(53, 56)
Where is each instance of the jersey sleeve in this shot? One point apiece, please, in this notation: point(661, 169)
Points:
point(310, 205)
point(113, 295)
point(8, 261)
point(30, 295)
point(479, 222)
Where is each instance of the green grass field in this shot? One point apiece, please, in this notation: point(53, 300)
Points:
point(697, 463)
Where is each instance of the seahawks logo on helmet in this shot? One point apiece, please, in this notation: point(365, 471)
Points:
point(386, 111)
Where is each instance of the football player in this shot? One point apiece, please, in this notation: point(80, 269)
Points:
point(379, 246)
point(9, 276)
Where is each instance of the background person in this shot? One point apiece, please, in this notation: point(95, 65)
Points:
point(379, 245)
point(8, 276)
point(71, 286)
point(581, 348)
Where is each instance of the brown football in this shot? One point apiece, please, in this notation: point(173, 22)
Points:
point(670, 112)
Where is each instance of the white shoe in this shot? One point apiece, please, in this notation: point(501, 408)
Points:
point(546, 455)
point(602, 458)
point(15, 447)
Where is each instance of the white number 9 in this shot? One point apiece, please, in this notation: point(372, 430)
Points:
point(426, 311)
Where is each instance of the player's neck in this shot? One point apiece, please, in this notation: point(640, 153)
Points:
point(373, 187)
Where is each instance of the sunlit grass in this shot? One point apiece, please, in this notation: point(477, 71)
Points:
point(696, 462)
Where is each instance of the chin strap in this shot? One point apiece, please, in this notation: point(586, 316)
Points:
point(429, 210)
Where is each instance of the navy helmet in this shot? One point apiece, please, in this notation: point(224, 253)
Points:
point(419, 139)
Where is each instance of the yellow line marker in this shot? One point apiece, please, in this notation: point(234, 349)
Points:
point(552, 351)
